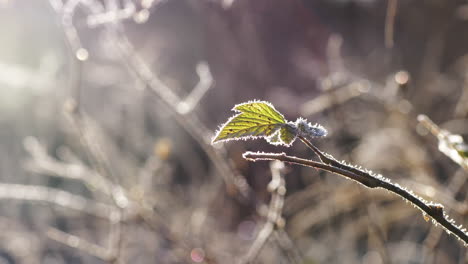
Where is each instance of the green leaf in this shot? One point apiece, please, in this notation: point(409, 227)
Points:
point(274, 139)
point(256, 119)
point(462, 150)
point(285, 135)
point(463, 153)
point(288, 134)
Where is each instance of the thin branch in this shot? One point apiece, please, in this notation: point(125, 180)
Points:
point(112, 16)
point(189, 121)
point(334, 97)
point(449, 144)
point(346, 199)
point(287, 246)
point(42, 163)
point(454, 186)
point(91, 139)
point(80, 244)
point(436, 211)
point(390, 22)
point(274, 220)
point(205, 83)
point(54, 196)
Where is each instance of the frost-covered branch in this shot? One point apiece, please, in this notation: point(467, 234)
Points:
point(368, 179)
point(259, 119)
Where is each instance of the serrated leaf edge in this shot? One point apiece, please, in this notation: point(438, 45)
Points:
point(220, 129)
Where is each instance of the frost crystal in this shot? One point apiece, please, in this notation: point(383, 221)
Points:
point(306, 129)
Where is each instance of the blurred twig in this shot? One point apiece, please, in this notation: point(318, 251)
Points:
point(274, 220)
point(335, 97)
point(80, 244)
point(42, 163)
point(450, 144)
point(189, 121)
point(390, 22)
point(35, 193)
point(287, 246)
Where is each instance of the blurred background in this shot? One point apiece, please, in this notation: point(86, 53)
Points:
point(107, 109)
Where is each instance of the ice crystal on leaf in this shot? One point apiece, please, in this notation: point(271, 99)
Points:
point(260, 119)
point(306, 129)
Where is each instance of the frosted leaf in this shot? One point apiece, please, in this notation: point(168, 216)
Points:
point(288, 134)
point(308, 130)
point(260, 119)
point(257, 119)
point(274, 139)
point(462, 150)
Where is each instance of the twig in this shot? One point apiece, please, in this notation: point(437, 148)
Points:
point(274, 219)
point(189, 121)
point(205, 83)
point(335, 97)
point(432, 239)
point(436, 211)
point(449, 144)
point(287, 245)
point(42, 163)
point(112, 16)
point(91, 139)
point(54, 196)
point(116, 235)
point(317, 215)
point(80, 244)
point(390, 22)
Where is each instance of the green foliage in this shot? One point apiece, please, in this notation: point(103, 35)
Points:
point(462, 150)
point(256, 119)
point(260, 119)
